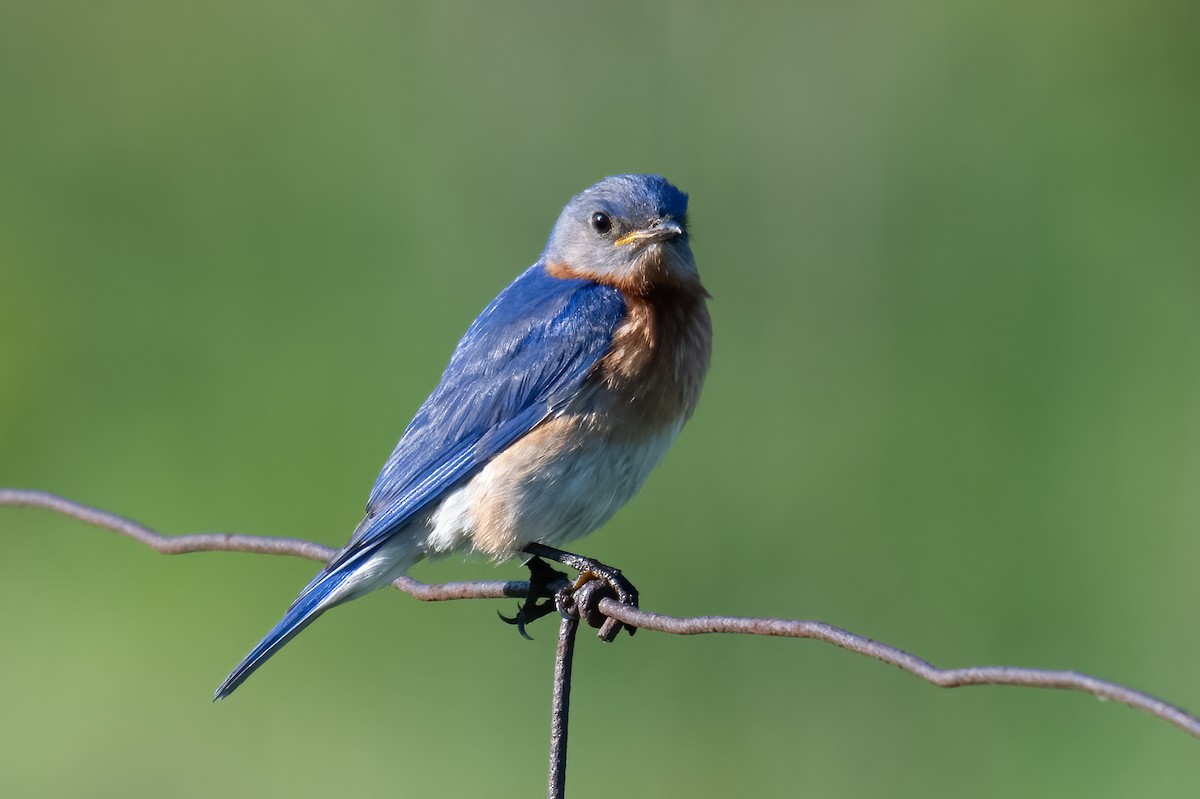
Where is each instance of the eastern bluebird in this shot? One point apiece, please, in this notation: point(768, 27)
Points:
point(560, 399)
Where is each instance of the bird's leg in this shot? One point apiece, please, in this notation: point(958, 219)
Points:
point(618, 586)
point(541, 577)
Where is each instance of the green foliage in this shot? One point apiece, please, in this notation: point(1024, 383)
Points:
point(954, 257)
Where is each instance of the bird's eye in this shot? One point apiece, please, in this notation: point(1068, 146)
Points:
point(601, 223)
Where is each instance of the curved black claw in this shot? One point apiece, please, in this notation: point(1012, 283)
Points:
point(564, 600)
point(518, 620)
point(613, 584)
point(541, 578)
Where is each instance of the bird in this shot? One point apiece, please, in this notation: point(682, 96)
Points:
point(561, 397)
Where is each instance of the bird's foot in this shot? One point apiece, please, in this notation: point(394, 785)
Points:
point(546, 583)
point(596, 581)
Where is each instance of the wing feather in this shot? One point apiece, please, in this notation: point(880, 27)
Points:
point(521, 360)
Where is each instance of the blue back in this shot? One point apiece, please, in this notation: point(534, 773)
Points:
point(521, 360)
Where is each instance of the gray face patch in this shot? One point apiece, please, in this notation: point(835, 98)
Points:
point(609, 229)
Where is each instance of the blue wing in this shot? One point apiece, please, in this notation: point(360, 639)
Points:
point(520, 361)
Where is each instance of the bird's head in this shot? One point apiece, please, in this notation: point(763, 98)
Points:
point(629, 231)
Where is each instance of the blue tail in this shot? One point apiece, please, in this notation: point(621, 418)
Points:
point(311, 603)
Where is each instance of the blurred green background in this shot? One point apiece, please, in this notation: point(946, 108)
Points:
point(954, 404)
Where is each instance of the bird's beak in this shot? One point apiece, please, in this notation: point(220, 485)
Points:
point(659, 230)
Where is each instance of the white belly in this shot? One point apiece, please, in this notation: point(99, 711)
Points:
point(558, 483)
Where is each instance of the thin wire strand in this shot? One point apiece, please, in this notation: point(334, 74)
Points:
point(697, 625)
point(943, 678)
point(560, 712)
